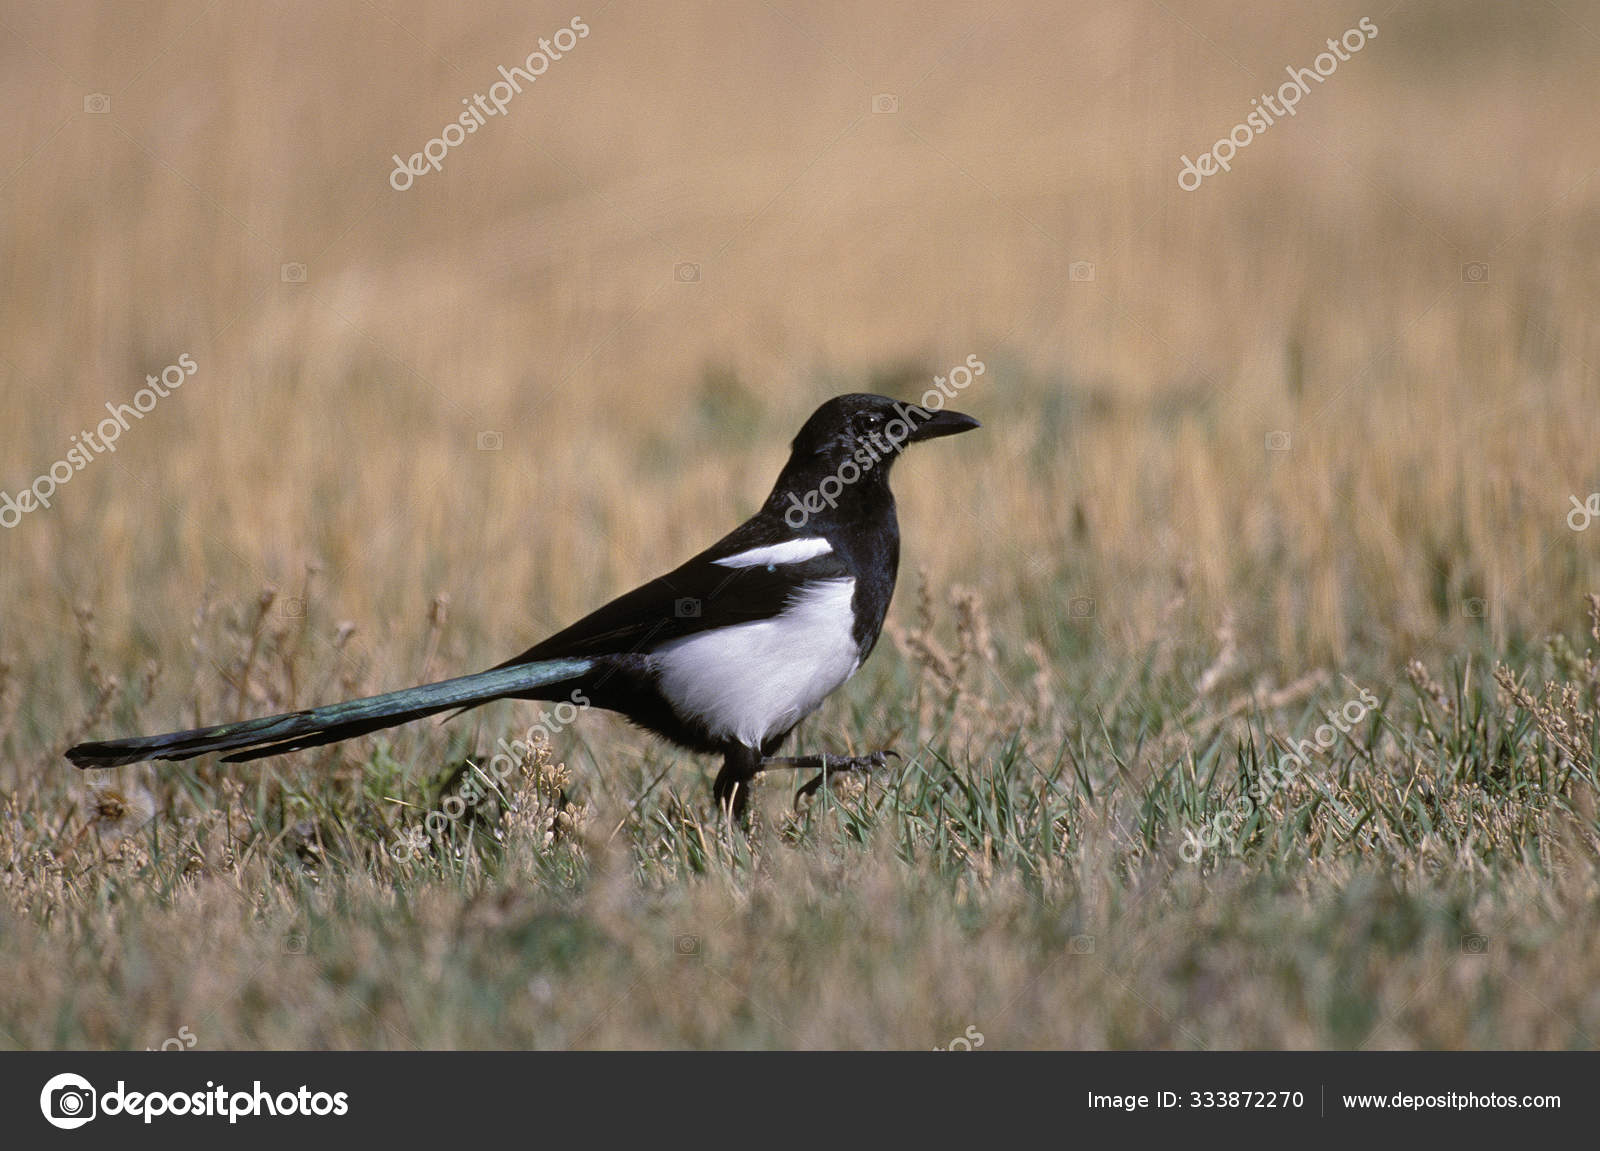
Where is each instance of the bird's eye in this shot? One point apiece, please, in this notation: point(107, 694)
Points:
point(871, 422)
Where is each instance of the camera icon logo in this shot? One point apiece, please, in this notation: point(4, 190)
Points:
point(295, 943)
point(1081, 607)
point(686, 946)
point(1278, 441)
point(293, 273)
point(1474, 944)
point(1474, 607)
point(686, 273)
point(1080, 945)
point(1476, 272)
point(885, 104)
point(97, 103)
point(490, 441)
point(686, 608)
point(68, 1101)
point(1080, 271)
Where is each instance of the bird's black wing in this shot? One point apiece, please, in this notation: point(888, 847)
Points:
point(698, 596)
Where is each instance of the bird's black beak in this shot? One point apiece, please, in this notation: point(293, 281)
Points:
point(942, 423)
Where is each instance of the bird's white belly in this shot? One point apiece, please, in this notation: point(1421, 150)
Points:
point(751, 681)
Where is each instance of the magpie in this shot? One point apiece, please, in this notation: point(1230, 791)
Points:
point(723, 655)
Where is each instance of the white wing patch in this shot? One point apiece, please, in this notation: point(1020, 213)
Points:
point(753, 680)
point(788, 552)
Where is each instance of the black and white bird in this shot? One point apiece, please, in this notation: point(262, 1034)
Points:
point(725, 654)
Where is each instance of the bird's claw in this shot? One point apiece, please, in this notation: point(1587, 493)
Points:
point(845, 763)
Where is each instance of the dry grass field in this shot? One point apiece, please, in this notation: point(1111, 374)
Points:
point(1312, 429)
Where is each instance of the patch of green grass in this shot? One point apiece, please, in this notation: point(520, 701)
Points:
point(1131, 875)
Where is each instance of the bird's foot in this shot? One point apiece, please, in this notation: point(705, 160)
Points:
point(827, 764)
point(731, 793)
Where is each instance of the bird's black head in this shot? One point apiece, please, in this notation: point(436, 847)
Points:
point(843, 453)
point(874, 425)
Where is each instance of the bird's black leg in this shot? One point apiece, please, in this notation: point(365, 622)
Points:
point(732, 787)
point(824, 764)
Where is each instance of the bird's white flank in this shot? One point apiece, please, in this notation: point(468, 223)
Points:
point(754, 680)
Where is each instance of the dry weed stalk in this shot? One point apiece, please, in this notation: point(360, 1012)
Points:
point(1564, 710)
point(959, 684)
point(540, 813)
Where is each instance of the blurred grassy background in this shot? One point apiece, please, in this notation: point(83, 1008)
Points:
point(528, 295)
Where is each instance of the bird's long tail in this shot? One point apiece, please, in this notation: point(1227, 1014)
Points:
point(274, 734)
